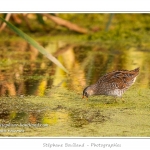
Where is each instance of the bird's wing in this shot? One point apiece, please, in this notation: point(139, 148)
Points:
point(118, 79)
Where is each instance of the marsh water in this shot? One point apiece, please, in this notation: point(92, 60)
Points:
point(37, 98)
point(40, 99)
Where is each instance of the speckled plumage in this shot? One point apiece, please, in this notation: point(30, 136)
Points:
point(112, 84)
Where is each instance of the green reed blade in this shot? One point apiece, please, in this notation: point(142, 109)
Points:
point(34, 44)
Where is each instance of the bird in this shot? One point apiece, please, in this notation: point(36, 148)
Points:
point(114, 83)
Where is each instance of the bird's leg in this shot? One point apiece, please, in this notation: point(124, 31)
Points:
point(115, 99)
point(85, 97)
point(122, 99)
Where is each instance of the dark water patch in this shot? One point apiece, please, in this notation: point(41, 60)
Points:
point(18, 110)
point(81, 117)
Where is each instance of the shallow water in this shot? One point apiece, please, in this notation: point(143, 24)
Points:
point(39, 99)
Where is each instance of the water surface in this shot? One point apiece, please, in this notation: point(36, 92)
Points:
point(38, 99)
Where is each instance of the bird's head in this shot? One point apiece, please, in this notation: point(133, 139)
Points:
point(88, 91)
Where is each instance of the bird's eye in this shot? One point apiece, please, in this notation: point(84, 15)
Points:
point(86, 94)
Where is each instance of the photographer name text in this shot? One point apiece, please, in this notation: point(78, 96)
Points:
point(107, 145)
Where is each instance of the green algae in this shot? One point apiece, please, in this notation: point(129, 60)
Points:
point(64, 113)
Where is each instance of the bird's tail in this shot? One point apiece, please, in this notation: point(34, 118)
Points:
point(136, 71)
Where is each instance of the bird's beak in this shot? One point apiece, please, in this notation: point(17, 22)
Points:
point(84, 97)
